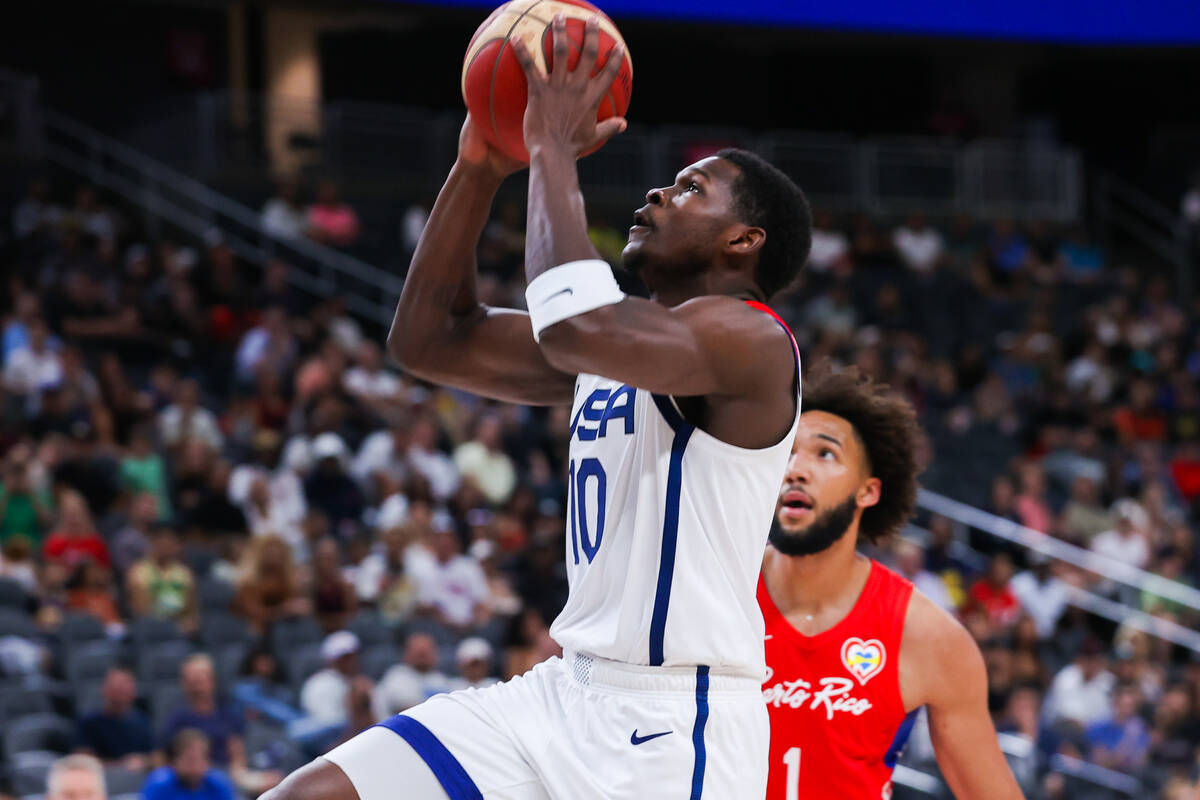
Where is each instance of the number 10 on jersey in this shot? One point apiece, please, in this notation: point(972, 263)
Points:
point(587, 477)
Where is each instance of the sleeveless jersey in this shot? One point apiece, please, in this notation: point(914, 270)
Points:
point(837, 718)
point(666, 527)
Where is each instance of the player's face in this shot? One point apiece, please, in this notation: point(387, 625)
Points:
point(822, 489)
point(683, 226)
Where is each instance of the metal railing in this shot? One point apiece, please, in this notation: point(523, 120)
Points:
point(1123, 207)
point(166, 194)
point(412, 147)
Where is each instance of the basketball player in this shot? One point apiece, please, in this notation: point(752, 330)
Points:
point(852, 650)
point(684, 408)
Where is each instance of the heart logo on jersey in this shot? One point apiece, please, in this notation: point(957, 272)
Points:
point(865, 660)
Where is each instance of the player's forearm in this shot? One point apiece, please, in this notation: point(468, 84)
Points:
point(439, 290)
point(556, 230)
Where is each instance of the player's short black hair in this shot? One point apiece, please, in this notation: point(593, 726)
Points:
point(887, 426)
point(767, 198)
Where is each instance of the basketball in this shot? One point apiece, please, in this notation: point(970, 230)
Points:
point(493, 83)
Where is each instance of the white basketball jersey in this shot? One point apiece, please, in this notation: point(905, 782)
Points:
point(666, 528)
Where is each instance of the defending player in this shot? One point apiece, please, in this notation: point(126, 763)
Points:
point(684, 411)
point(852, 650)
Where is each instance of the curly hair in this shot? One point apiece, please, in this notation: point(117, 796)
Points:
point(886, 425)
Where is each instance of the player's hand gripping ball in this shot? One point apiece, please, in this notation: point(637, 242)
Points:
point(494, 84)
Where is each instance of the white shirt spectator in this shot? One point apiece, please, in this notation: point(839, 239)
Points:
point(176, 424)
point(324, 695)
point(1074, 697)
point(403, 687)
point(492, 470)
point(28, 372)
point(1044, 601)
point(413, 225)
point(438, 468)
point(286, 505)
point(1129, 548)
point(828, 248)
point(920, 249)
point(378, 454)
point(935, 589)
point(454, 588)
point(380, 384)
point(281, 218)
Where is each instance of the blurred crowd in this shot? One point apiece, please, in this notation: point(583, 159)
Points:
point(231, 535)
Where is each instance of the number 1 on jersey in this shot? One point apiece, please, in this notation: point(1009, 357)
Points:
point(792, 759)
point(578, 485)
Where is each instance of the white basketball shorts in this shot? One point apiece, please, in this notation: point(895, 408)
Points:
point(576, 728)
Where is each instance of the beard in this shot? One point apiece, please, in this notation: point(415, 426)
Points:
point(821, 534)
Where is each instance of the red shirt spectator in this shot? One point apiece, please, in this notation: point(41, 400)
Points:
point(992, 594)
point(74, 538)
point(331, 221)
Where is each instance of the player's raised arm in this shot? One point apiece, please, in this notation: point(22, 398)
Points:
point(955, 693)
point(441, 331)
point(710, 345)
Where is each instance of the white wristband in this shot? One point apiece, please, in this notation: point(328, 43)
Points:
point(569, 290)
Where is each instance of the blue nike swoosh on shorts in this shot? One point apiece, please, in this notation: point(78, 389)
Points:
point(636, 740)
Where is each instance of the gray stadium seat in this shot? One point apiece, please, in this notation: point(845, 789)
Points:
point(118, 780)
point(27, 771)
point(15, 622)
point(378, 659)
point(39, 732)
point(13, 595)
point(77, 628)
point(146, 632)
point(287, 634)
point(165, 698)
point(89, 660)
point(161, 661)
point(368, 626)
point(303, 661)
point(17, 702)
point(214, 594)
point(88, 696)
point(219, 628)
point(228, 659)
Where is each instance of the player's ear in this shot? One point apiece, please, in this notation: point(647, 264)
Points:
point(745, 240)
point(870, 493)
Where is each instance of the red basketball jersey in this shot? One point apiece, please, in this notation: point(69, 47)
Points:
point(837, 719)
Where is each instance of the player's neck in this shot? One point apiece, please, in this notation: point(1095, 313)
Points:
point(815, 592)
point(701, 285)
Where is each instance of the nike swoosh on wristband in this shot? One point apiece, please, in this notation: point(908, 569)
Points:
point(568, 290)
point(636, 740)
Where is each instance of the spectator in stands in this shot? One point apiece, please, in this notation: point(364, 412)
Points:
point(268, 584)
point(330, 221)
point(830, 247)
point(1041, 593)
point(383, 455)
point(269, 345)
point(329, 489)
point(187, 419)
point(36, 213)
point(325, 693)
point(117, 732)
point(222, 725)
point(1033, 510)
point(31, 369)
point(1083, 517)
point(484, 462)
point(334, 601)
point(76, 777)
point(1081, 693)
point(90, 216)
point(453, 590)
point(414, 681)
point(369, 381)
point(920, 247)
point(189, 773)
point(474, 658)
point(425, 457)
point(1122, 741)
point(161, 585)
point(16, 563)
point(993, 596)
point(131, 542)
point(144, 470)
point(91, 590)
point(282, 215)
point(386, 579)
point(1127, 541)
point(910, 562)
point(74, 538)
point(26, 510)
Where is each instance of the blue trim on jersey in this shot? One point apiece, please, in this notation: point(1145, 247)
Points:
point(900, 739)
point(669, 412)
point(670, 534)
point(698, 732)
point(450, 774)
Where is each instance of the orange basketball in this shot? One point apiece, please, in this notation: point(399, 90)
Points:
point(493, 83)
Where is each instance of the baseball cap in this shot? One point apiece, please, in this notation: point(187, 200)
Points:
point(339, 644)
point(474, 648)
point(328, 445)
